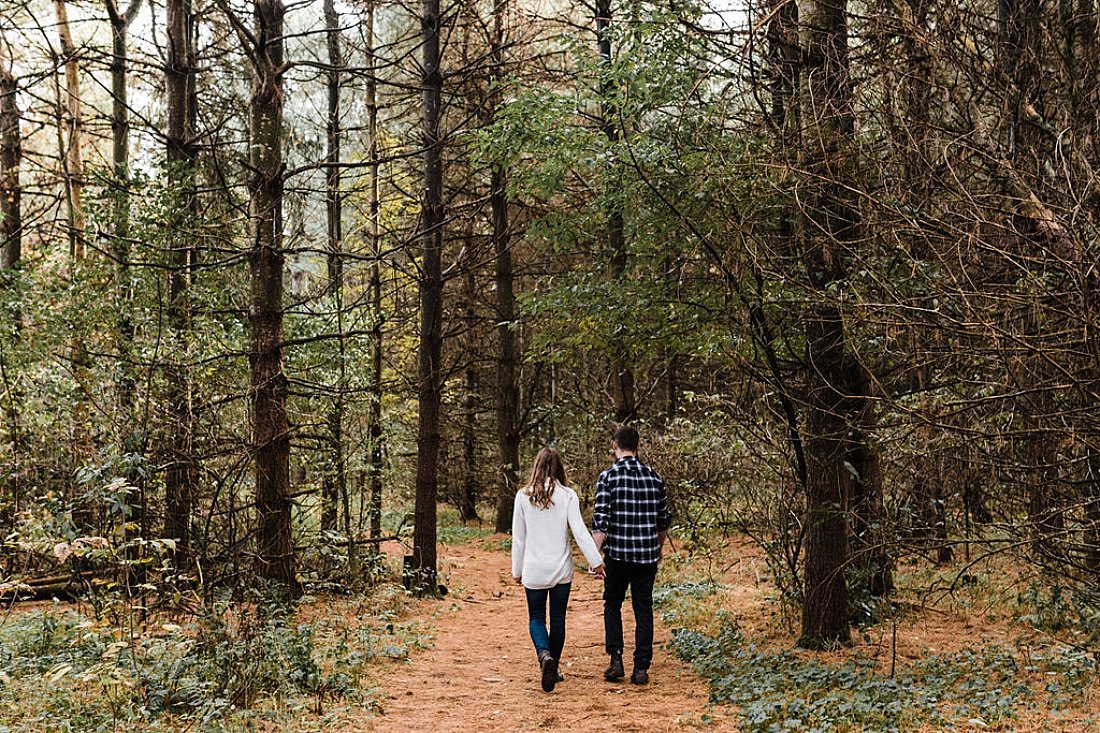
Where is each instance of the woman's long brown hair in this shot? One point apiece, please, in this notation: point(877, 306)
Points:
point(548, 472)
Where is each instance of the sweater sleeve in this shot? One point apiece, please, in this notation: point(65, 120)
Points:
point(519, 539)
point(581, 534)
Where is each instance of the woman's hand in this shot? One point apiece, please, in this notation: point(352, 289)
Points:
point(597, 572)
point(519, 581)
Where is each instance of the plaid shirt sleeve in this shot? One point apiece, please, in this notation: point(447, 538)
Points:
point(601, 514)
point(664, 516)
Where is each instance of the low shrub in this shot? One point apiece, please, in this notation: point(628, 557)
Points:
point(61, 671)
point(783, 690)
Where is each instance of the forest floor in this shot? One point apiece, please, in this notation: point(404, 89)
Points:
point(479, 672)
point(970, 646)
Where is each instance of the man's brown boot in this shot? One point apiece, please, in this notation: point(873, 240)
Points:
point(614, 671)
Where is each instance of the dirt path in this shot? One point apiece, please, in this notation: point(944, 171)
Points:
point(481, 672)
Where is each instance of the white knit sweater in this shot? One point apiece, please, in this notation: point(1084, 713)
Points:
point(541, 554)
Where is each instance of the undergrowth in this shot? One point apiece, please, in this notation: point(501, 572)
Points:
point(787, 691)
point(235, 665)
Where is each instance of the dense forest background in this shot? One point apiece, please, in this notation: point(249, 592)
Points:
point(280, 279)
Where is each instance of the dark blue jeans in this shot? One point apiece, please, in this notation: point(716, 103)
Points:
point(639, 579)
point(558, 597)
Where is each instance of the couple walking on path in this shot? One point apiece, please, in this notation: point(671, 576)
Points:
point(629, 524)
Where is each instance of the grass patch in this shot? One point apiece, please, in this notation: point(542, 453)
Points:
point(683, 603)
point(450, 530)
point(459, 534)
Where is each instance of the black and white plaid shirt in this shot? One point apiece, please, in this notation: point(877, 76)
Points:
point(631, 509)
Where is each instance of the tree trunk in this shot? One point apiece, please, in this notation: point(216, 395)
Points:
point(1084, 64)
point(334, 483)
point(622, 374)
point(507, 390)
point(1090, 497)
point(270, 427)
point(828, 221)
point(124, 291)
point(1022, 57)
point(430, 372)
point(70, 151)
point(916, 124)
point(870, 550)
point(73, 159)
point(374, 201)
point(180, 473)
point(11, 255)
point(120, 112)
point(1020, 26)
point(783, 69)
point(377, 435)
point(333, 198)
point(467, 504)
point(120, 155)
point(11, 159)
point(782, 54)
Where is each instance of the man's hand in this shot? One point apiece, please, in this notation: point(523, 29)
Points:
point(519, 581)
point(597, 572)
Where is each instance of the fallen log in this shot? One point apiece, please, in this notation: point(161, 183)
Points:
point(66, 591)
point(64, 587)
point(344, 542)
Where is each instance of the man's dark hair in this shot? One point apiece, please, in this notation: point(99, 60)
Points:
point(627, 438)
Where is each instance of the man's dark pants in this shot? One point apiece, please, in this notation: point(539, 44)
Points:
point(639, 579)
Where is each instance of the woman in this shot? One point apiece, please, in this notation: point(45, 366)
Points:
point(542, 561)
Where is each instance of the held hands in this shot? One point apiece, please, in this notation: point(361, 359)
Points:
point(597, 572)
point(519, 581)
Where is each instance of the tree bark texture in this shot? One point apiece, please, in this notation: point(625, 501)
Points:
point(73, 157)
point(120, 61)
point(1022, 62)
point(1083, 56)
point(782, 55)
point(124, 291)
point(870, 546)
point(181, 472)
point(507, 388)
point(622, 373)
point(333, 134)
point(827, 223)
point(377, 320)
point(334, 483)
point(11, 160)
point(270, 426)
point(429, 372)
point(70, 150)
point(11, 255)
point(467, 503)
point(783, 69)
point(120, 162)
point(1090, 498)
point(1028, 151)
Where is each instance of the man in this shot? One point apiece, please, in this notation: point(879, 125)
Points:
point(629, 523)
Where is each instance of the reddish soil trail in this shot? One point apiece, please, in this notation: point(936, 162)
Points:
point(481, 675)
